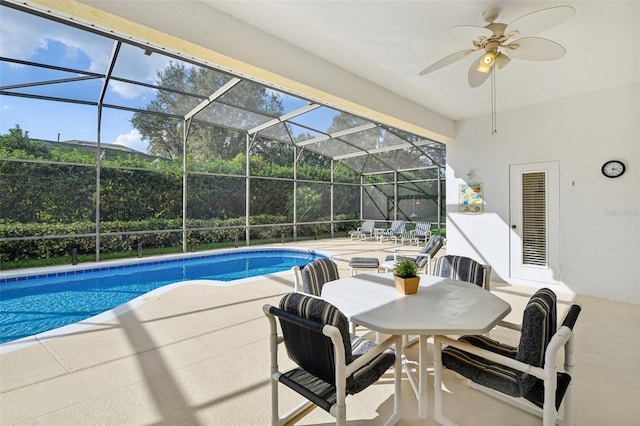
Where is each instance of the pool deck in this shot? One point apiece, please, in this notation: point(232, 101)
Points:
point(198, 355)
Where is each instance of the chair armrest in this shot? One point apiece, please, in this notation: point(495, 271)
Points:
point(413, 252)
point(557, 342)
point(297, 280)
point(334, 334)
point(510, 325)
point(563, 335)
point(407, 250)
point(363, 360)
point(572, 316)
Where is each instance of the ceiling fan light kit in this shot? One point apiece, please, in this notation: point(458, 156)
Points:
point(494, 38)
point(486, 62)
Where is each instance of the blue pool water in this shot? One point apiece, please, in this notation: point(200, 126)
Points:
point(32, 305)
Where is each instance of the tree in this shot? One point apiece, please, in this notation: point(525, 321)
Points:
point(210, 136)
point(17, 144)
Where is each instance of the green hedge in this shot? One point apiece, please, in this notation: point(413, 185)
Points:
point(217, 231)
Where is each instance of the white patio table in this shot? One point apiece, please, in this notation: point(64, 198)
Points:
point(440, 307)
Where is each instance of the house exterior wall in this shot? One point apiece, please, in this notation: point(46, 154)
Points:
point(599, 217)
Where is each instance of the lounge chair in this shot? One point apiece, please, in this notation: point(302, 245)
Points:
point(421, 233)
point(394, 232)
point(422, 258)
point(365, 231)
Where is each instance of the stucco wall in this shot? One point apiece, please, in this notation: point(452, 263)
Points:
point(599, 217)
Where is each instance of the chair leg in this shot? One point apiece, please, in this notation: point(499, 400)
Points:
point(275, 416)
point(567, 415)
point(437, 386)
point(397, 382)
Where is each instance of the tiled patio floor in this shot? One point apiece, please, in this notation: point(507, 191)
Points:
point(198, 355)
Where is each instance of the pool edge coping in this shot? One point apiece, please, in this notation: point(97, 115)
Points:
point(102, 317)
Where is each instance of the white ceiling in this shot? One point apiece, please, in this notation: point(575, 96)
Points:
point(390, 42)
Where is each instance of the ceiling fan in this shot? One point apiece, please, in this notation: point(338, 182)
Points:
point(495, 40)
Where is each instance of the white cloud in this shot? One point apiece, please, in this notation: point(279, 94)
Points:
point(31, 38)
point(132, 140)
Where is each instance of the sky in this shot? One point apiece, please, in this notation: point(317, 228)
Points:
point(33, 39)
point(29, 38)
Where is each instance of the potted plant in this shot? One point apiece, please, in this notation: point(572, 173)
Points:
point(405, 275)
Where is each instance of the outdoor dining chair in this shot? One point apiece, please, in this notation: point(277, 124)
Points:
point(330, 362)
point(525, 376)
point(463, 269)
point(312, 276)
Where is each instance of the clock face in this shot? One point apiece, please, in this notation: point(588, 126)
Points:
point(613, 168)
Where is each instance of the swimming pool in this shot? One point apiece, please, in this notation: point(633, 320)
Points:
point(34, 304)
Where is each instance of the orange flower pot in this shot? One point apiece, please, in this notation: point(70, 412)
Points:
point(407, 285)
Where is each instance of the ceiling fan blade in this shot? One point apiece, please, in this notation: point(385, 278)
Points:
point(502, 60)
point(535, 49)
point(541, 20)
point(476, 78)
point(447, 60)
point(470, 32)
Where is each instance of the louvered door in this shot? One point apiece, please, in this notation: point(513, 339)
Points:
point(534, 217)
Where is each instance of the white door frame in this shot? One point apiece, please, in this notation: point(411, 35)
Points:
point(548, 270)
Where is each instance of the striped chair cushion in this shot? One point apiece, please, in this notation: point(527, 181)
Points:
point(316, 273)
point(538, 325)
point(364, 262)
point(460, 268)
point(366, 228)
point(422, 229)
point(431, 248)
point(482, 371)
point(397, 228)
point(371, 372)
point(320, 311)
point(307, 356)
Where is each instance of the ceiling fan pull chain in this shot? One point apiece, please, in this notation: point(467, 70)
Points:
point(494, 119)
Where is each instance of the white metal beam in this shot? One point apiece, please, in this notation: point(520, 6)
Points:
point(221, 91)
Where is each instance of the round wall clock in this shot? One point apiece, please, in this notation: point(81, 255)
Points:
point(613, 169)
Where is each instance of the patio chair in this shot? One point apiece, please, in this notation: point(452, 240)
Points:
point(365, 231)
point(422, 258)
point(422, 232)
point(519, 374)
point(312, 276)
point(463, 269)
point(330, 362)
point(394, 232)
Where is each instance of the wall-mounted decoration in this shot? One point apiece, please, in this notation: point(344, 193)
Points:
point(613, 169)
point(470, 196)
